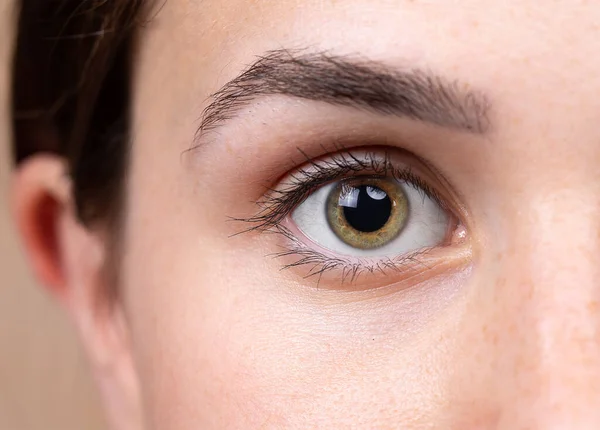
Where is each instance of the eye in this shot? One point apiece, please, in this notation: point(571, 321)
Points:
point(369, 210)
point(372, 216)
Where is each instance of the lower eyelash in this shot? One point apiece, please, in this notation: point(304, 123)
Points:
point(319, 263)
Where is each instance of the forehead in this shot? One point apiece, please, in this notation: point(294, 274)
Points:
point(441, 32)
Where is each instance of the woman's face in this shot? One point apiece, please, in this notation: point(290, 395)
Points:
point(391, 220)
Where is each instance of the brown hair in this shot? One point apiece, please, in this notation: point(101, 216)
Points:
point(71, 92)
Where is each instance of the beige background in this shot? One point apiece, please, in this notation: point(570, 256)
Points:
point(44, 383)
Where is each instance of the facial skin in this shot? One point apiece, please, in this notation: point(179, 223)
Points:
point(498, 330)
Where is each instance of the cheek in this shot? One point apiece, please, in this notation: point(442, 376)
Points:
point(224, 341)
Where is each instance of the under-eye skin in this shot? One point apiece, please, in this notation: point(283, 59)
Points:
point(369, 211)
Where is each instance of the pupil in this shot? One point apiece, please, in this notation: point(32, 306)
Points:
point(370, 209)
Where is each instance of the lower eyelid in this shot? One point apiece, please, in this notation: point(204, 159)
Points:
point(329, 270)
point(354, 274)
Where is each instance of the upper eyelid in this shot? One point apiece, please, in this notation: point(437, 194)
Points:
point(281, 201)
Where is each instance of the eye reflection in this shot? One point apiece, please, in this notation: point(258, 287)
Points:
point(367, 213)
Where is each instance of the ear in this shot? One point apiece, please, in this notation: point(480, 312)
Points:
point(69, 258)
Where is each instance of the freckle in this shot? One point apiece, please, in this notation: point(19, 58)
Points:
point(593, 306)
point(454, 32)
point(494, 339)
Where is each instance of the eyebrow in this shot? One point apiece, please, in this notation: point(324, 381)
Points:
point(347, 81)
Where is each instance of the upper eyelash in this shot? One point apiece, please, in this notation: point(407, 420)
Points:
point(279, 203)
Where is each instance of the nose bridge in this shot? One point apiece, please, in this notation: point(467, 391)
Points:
point(547, 311)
